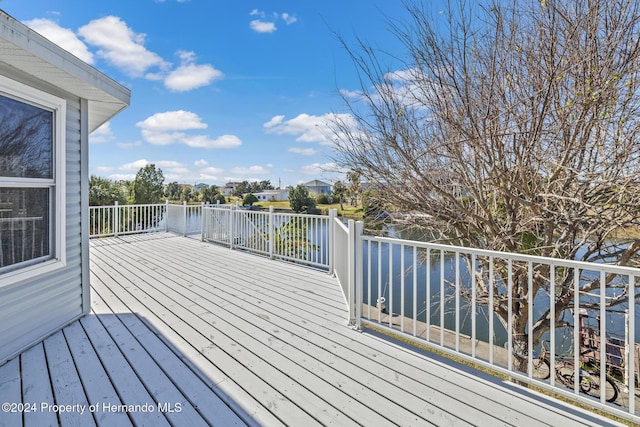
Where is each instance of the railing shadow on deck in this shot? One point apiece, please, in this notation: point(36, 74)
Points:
point(488, 377)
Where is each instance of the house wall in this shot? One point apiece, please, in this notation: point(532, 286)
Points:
point(32, 309)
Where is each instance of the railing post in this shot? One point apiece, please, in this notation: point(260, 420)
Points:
point(351, 269)
point(272, 231)
point(358, 276)
point(203, 222)
point(331, 234)
point(231, 214)
point(184, 219)
point(116, 219)
point(166, 216)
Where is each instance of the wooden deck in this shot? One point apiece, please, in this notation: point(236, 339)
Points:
point(185, 333)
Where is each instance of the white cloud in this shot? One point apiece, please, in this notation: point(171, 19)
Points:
point(317, 169)
point(63, 37)
point(202, 141)
point(134, 166)
point(172, 120)
point(267, 25)
point(262, 26)
point(120, 46)
point(251, 170)
point(210, 171)
point(303, 151)
point(351, 94)
point(189, 75)
point(289, 19)
point(102, 134)
point(171, 169)
point(275, 121)
point(128, 145)
point(122, 177)
point(125, 49)
point(168, 128)
point(308, 128)
point(169, 164)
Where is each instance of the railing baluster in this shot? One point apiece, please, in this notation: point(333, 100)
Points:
point(442, 297)
point(631, 344)
point(390, 308)
point(474, 308)
point(603, 336)
point(369, 278)
point(552, 319)
point(457, 314)
point(415, 290)
point(402, 301)
point(510, 314)
point(490, 314)
point(576, 326)
point(428, 297)
point(530, 317)
point(380, 300)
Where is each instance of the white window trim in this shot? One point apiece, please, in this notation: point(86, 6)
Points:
point(58, 105)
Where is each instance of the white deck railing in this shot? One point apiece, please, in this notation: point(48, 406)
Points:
point(298, 238)
point(126, 219)
point(439, 295)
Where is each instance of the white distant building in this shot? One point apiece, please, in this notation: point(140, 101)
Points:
point(273, 195)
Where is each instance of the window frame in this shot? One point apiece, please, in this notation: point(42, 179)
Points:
point(57, 209)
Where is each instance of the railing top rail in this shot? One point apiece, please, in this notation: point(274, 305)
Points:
point(121, 205)
point(297, 215)
point(584, 265)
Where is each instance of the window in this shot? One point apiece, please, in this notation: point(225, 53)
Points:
point(32, 193)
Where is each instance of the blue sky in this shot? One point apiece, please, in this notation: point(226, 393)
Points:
point(221, 90)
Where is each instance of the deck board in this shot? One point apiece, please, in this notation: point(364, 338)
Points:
point(10, 392)
point(67, 388)
point(95, 380)
point(36, 388)
point(128, 386)
point(237, 339)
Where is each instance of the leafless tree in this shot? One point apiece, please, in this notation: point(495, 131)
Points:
point(511, 126)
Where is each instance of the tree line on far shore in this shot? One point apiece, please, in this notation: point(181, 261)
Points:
point(148, 187)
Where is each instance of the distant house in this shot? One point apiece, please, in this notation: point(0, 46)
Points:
point(229, 188)
point(273, 195)
point(49, 103)
point(200, 186)
point(318, 187)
